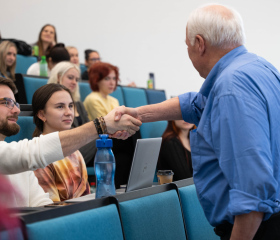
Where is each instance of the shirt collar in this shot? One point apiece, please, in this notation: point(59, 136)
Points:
point(218, 69)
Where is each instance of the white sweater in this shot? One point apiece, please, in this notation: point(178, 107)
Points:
point(28, 192)
point(23, 156)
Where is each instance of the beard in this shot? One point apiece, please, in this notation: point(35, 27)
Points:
point(9, 129)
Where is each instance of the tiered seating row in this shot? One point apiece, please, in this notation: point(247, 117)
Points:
point(158, 212)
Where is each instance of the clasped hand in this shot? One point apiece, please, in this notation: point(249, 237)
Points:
point(122, 122)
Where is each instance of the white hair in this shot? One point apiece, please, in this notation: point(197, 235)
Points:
point(220, 25)
point(58, 72)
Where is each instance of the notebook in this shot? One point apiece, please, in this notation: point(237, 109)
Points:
point(142, 169)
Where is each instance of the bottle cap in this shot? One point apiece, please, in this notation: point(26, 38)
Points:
point(104, 141)
point(43, 58)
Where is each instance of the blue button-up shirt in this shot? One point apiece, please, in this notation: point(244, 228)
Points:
point(236, 147)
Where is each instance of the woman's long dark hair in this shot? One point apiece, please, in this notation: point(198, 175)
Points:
point(39, 101)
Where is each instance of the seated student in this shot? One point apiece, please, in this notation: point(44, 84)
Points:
point(91, 57)
point(74, 55)
point(103, 79)
point(175, 152)
point(53, 109)
point(46, 40)
point(18, 158)
point(57, 54)
point(68, 74)
point(8, 59)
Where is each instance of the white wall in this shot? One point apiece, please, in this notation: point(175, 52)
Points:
point(138, 36)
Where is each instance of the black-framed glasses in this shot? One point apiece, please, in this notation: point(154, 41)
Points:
point(95, 59)
point(10, 103)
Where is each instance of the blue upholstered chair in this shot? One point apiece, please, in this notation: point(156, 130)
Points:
point(118, 94)
point(24, 62)
point(196, 223)
point(83, 68)
point(27, 128)
point(155, 96)
point(98, 223)
point(134, 97)
point(31, 84)
point(153, 129)
point(152, 217)
point(84, 90)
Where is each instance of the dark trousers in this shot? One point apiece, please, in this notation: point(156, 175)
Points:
point(268, 230)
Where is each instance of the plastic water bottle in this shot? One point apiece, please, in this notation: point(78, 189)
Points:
point(43, 67)
point(151, 81)
point(105, 167)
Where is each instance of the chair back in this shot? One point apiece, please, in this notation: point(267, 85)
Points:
point(196, 223)
point(155, 96)
point(98, 223)
point(152, 217)
point(84, 89)
point(83, 68)
point(24, 62)
point(31, 84)
point(27, 128)
point(118, 94)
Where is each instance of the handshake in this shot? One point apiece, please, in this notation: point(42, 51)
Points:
point(122, 122)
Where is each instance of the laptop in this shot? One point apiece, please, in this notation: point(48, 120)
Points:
point(142, 169)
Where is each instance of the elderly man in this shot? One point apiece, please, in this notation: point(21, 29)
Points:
point(235, 149)
point(19, 157)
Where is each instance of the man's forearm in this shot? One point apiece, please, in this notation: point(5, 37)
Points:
point(246, 225)
point(167, 110)
point(74, 139)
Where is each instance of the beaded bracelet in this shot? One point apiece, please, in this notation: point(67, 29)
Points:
point(103, 125)
point(98, 126)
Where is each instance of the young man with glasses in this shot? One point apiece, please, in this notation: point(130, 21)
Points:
point(17, 158)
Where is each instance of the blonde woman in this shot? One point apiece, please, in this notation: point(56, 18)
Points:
point(8, 59)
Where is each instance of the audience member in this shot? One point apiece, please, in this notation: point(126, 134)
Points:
point(68, 74)
point(175, 152)
point(8, 58)
point(53, 109)
point(74, 55)
point(91, 57)
point(103, 79)
point(57, 54)
point(46, 40)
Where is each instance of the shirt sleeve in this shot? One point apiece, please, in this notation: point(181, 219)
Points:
point(28, 155)
point(192, 105)
point(37, 196)
point(241, 141)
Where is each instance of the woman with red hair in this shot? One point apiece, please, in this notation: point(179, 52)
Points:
point(175, 153)
point(103, 79)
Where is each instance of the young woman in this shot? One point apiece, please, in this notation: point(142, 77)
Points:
point(91, 57)
point(47, 39)
point(103, 79)
point(175, 153)
point(53, 109)
point(74, 55)
point(8, 59)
